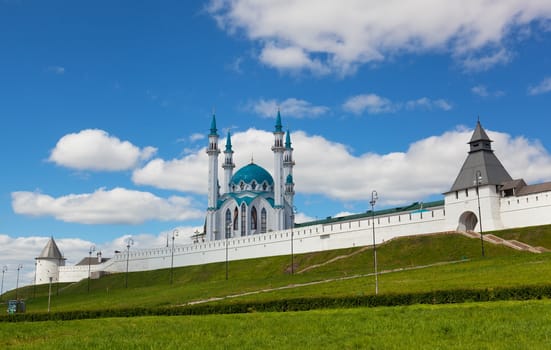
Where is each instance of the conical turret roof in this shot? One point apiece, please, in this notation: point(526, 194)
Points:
point(480, 160)
point(51, 251)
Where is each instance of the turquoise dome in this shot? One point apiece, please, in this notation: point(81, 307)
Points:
point(252, 172)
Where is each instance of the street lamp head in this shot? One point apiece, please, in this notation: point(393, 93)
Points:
point(19, 267)
point(478, 178)
point(92, 249)
point(374, 197)
point(129, 242)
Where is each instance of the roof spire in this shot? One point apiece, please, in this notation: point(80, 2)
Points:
point(252, 158)
point(228, 143)
point(213, 130)
point(278, 126)
point(288, 139)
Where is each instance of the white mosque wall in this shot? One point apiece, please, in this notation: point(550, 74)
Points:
point(529, 210)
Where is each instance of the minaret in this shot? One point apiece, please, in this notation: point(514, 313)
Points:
point(288, 164)
point(48, 263)
point(278, 150)
point(212, 151)
point(228, 164)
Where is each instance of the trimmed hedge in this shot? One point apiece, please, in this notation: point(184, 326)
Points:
point(301, 304)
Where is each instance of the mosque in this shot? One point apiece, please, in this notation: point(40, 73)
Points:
point(252, 214)
point(252, 201)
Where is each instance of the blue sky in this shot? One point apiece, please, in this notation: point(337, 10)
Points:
point(105, 107)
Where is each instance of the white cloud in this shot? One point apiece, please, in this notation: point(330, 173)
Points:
point(429, 166)
point(426, 103)
point(337, 36)
point(484, 62)
point(196, 137)
point(371, 103)
point(56, 69)
point(116, 206)
point(543, 87)
point(482, 91)
point(94, 149)
point(292, 58)
point(290, 108)
point(187, 174)
point(375, 104)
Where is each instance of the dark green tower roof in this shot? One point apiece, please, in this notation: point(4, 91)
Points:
point(213, 130)
point(228, 143)
point(278, 126)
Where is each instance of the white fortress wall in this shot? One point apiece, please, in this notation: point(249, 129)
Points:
point(528, 210)
point(335, 235)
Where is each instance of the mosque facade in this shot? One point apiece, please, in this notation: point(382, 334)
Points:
point(250, 201)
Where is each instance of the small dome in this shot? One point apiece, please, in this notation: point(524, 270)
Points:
point(252, 173)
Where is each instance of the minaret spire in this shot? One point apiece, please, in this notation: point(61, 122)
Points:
point(288, 164)
point(228, 164)
point(213, 152)
point(278, 149)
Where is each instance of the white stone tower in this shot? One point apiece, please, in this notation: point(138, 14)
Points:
point(477, 185)
point(278, 149)
point(48, 263)
point(288, 164)
point(213, 152)
point(228, 164)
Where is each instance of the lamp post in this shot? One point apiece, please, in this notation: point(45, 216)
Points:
point(129, 243)
point(374, 198)
point(174, 234)
point(92, 249)
point(228, 231)
point(478, 182)
point(4, 269)
point(50, 293)
point(293, 211)
point(19, 267)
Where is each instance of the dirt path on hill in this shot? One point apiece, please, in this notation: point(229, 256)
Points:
point(298, 285)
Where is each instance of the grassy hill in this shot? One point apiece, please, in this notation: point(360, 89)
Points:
point(501, 267)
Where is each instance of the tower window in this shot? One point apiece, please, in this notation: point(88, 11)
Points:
point(253, 185)
point(242, 185)
point(264, 186)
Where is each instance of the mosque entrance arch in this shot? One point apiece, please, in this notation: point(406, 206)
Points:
point(467, 222)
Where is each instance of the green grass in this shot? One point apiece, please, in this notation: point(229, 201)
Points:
point(496, 325)
point(501, 267)
point(537, 236)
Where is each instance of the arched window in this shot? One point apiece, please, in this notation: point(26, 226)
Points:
point(243, 219)
point(253, 218)
point(264, 186)
point(253, 185)
point(242, 185)
point(235, 216)
point(263, 220)
point(228, 223)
